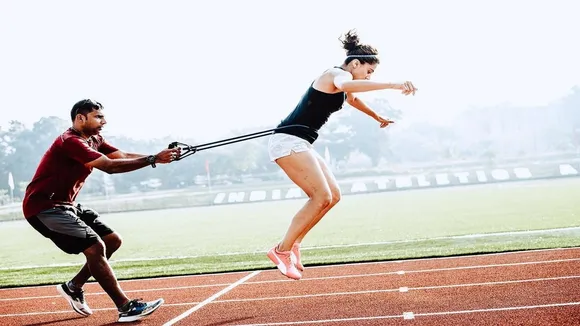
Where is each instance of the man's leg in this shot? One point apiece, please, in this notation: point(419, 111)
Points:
point(111, 239)
point(112, 243)
point(100, 269)
point(98, 266)
point(73, 236)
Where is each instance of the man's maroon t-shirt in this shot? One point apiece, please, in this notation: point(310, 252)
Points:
point(62, 172)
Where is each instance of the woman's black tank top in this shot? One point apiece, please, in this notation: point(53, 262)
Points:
point(313, 111)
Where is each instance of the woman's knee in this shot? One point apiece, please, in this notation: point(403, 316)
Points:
point(336, 196)
point(323, 198)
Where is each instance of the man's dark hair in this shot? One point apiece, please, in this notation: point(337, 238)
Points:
point(84, 107)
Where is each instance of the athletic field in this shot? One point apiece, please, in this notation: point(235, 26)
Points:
point(366, 227)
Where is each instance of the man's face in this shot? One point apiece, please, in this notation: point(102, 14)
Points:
point(93, 122)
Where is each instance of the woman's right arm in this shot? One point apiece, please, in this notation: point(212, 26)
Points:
point(345, 83)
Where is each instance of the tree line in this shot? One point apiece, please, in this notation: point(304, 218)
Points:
point(352, 139)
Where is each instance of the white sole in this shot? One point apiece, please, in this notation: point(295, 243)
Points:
point(64, 295)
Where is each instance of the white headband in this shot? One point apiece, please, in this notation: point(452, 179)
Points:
point(362, 55)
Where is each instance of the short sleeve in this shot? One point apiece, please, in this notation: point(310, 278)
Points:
point(105, 147)
point(79, 150)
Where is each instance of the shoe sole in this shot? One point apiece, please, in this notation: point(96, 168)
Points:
point(64, 295)
point(135, 318)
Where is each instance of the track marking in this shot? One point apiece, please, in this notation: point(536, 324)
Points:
point(126, 291)
point(550, 305)
point(97, 309)
point(210, 299)
point(451, 257)
point(478, 235)
point(434, 287)
point(231, 286)
point(422, 271)
point(198, 305)
point(408, 315)
point(322, 321)
point(304, 296)
point(218, 274)
point(314, 278)
point(138, 279)
point(543, 279)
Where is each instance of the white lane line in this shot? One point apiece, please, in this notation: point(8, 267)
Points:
point(315, 278)
point(126, 291)
point(435, 287)
point(411, 315)
point(98, 309)
point(210, 299)
point(422, 271)
point(218, 274)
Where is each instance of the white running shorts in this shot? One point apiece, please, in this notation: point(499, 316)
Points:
point(281, 145)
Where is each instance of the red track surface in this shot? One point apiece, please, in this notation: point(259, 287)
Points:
point(525, 288)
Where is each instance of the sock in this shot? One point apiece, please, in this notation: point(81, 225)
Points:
point(72, 287)
point(124, 307)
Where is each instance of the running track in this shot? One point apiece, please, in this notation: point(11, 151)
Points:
point(539, 287)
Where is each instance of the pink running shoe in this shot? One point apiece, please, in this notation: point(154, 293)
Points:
point(283, 261)
point(296, 258)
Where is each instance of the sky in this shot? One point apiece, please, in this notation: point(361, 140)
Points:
point(200, 69)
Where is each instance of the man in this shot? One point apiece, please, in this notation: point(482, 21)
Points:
point(49, 206)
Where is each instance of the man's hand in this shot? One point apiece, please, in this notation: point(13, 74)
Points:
point(408, 88)
point(168, 155)
point(384, 122)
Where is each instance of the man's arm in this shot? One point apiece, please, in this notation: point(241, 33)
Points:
point(80, 151)
point(120, 154)
point(113, 152)
point(119, 165)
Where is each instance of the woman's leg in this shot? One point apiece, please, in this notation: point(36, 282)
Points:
point(305, 171)
point(335, 193)
point(336, 196)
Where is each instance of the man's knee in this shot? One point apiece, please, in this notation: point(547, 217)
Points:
point(113, 242)
point(96, 250)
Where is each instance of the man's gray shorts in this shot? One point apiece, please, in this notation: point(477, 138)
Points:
point(72, 229)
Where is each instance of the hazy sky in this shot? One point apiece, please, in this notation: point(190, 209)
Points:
point(246, 63)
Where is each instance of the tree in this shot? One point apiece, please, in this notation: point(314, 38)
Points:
point(351, 129)
point(26, 147)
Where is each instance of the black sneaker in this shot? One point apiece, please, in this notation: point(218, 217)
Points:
point(135, 310)
point(75, 299)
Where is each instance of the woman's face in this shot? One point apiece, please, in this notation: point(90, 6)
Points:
point(363, 70)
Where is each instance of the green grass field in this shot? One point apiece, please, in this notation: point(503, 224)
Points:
point(390, 225)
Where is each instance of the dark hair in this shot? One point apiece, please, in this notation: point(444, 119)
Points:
point(355, 50)
point(84, 107)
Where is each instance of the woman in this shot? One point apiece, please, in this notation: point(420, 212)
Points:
point(292, 150)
